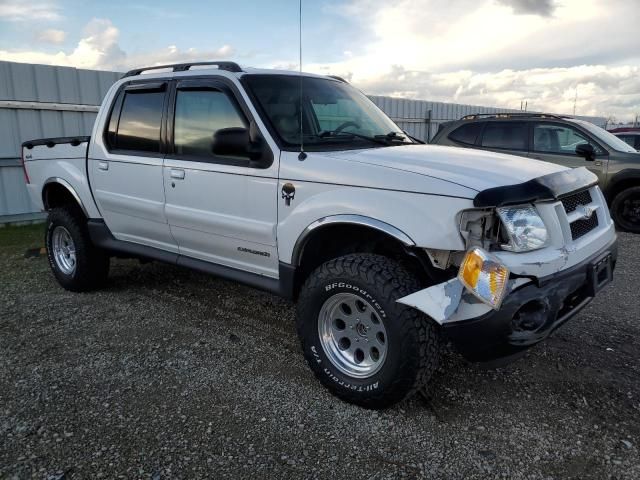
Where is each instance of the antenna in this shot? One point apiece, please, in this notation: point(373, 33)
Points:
point(302, 155)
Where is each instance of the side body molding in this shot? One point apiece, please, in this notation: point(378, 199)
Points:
point(66, 185)
point(347, 219)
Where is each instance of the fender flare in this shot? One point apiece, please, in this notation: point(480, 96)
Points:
point(70, 189)
point(617, 178)
point(347, 219)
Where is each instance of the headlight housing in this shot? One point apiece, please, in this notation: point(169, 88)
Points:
point(525, 228)
point(485, 276)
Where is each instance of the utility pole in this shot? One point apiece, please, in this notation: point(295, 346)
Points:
point(575, 100)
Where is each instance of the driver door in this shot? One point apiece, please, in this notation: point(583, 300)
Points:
point(556, 143)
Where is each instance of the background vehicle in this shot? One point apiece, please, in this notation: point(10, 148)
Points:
point(314, 194)
point(630, 137)
point(562, 140)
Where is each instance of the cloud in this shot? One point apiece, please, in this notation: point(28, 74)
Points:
point(544, 8)
point(99, 49)
point(487, 52)
point(602, 90)
point(51, 35)
point(480, 52)
point(22, 11)
point(172, 54)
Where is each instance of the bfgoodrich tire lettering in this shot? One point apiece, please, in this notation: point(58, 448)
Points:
point(412, 340)
point(90, 266)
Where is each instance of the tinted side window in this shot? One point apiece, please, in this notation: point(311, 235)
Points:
point(629, 139)
point(199, 114)
point(557, 138)
point(140, 119)
point(467, 133)
point(507, 135)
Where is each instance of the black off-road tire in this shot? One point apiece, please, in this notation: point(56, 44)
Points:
point(92, 263)
point(620, 205)
point(413, 349)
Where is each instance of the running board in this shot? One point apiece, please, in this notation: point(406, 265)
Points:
point(102, 237)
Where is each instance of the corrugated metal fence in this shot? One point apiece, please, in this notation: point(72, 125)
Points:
point(44, 101)
point(41, 101)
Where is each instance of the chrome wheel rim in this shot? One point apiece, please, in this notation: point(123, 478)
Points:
point(64, 250)
point(352, 335)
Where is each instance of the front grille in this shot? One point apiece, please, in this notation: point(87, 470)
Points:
point(581, 227)
point(573, 201)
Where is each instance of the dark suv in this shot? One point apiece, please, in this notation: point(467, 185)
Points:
point(630, 137)
point(563, 140)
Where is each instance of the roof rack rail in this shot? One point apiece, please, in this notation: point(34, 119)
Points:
point(340, 79)
point(512, 114)
point(183, 67)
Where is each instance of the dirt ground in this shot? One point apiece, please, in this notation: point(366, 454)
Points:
point(167, 373)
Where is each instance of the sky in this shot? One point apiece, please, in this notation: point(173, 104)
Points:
point(553, 54)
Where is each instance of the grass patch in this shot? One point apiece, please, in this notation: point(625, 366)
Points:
point(27, 236)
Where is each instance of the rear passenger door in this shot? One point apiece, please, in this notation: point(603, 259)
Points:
point(556, 143)
point(125, 169)
point(221, 209)
point(505, 137)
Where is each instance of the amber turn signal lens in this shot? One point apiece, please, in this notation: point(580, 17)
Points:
point(485, 276)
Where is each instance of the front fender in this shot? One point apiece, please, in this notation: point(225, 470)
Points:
point(424, 220)
point(628, 175)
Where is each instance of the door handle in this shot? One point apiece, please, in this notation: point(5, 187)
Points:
point(177, 174)
point(103, 165)
point(598, 163)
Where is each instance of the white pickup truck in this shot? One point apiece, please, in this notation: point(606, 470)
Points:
point(299, 185)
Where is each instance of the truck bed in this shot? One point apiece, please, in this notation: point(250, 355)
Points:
point(61, 160)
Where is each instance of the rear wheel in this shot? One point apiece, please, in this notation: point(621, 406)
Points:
point(76, 263)
point(625, 209)
point(361, 344)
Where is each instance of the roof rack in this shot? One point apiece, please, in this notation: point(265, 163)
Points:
point(340, 79)
point(183, 67)
point(473, 116)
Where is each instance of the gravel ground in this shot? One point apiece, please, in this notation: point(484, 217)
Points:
point(172, 374)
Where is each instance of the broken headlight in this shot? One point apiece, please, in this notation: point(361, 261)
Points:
point(524, 227)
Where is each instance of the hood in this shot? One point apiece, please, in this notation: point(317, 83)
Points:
point(475, 169)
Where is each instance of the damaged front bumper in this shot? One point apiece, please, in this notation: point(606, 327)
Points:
point(529, 313)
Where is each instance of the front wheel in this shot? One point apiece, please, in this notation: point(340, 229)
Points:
point(625, 209)
point(361, 344)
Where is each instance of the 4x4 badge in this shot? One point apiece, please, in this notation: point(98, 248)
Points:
point(288, 193)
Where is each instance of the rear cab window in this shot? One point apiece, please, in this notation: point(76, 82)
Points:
point(505, 135)
point(136, 119)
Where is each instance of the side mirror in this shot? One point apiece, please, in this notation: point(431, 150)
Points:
point(587, 151)
point(242, 142)
point(232, 142)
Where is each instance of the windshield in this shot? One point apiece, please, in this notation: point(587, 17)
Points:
point(607, 138)
point(334, 114)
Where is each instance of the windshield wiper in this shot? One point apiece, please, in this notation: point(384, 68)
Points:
point(380, 139)
point(391, 136)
